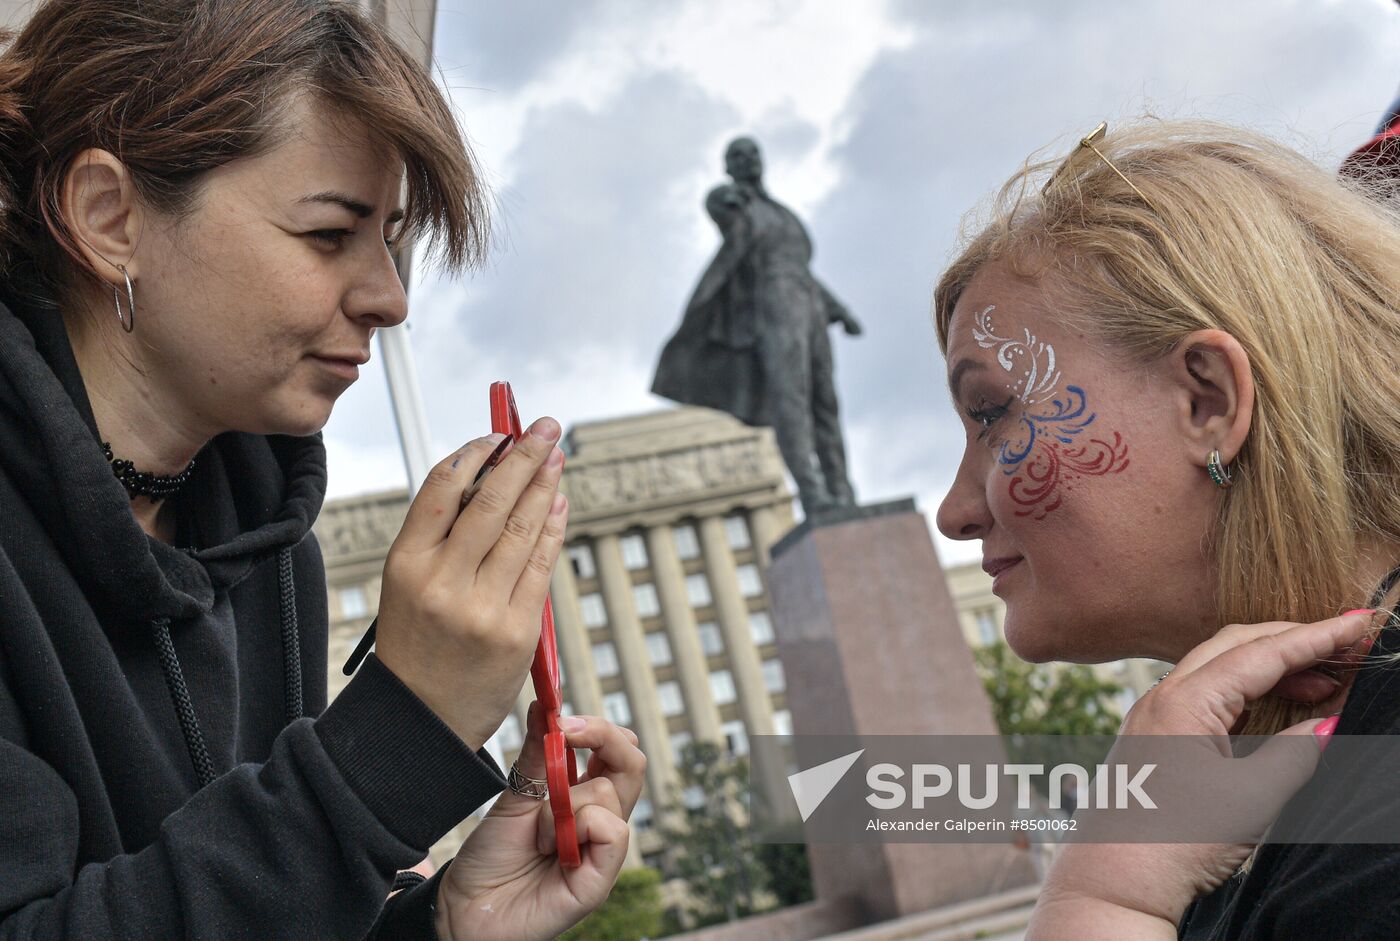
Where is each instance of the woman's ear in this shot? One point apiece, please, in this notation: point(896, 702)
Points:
point(1215, 391)
point(99, 203)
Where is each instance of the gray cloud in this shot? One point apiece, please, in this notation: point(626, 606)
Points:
point(503, 46)
point(598, 246)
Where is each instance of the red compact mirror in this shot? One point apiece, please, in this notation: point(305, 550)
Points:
point(560, 768)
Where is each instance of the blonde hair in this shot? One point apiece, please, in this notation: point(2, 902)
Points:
point(1221, 229)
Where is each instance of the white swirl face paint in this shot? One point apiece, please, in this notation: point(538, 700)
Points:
point(1030, 361)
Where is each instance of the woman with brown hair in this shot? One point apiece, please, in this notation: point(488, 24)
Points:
point(198, 202)
point(1171, 352)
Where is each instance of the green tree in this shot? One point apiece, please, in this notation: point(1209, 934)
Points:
point(1034, 700)
point(710, 844)
point(788, 871)
point(632, 910)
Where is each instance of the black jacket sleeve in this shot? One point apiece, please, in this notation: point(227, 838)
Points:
point(305, 845)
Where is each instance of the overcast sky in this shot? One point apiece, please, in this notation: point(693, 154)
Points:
point(601, 126)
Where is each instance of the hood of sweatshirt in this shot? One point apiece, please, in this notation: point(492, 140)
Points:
point(51, 450)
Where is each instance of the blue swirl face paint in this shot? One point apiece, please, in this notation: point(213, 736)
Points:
point(1045, 451)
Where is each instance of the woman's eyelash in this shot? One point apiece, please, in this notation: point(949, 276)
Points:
point(987, 416)
point(336, 237)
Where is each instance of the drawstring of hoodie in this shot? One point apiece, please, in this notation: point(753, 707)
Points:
point(291, 639)
point(180, 694)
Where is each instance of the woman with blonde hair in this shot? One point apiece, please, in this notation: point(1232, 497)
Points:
point(1172, 355)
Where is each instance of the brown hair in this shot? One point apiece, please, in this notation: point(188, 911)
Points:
point(1225, 230)
point(176, 88)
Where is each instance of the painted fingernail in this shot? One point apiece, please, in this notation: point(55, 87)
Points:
point(1324, 730)
point(572, 723)
point(557, 507)
point(546, 429)
point(1367, 611)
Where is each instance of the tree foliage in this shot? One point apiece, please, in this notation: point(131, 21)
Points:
point(710, 845)
point(631, 912)
point(1032, 700)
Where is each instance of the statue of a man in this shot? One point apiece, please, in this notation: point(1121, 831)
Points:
point(754, 340)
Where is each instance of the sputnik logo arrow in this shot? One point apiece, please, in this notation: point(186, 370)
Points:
point(811, 787)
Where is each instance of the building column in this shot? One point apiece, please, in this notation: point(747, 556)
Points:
point(755, 707)
point(637, 678)
point(765, 528)
point(575, 651)
point(683, 634)
point(733, 614)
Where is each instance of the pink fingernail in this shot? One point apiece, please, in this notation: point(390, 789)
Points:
point(572, 723)
point(1324, 730)
point(1359, 611)
point(557, 507)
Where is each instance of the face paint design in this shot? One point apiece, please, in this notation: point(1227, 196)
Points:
point(1045, 447)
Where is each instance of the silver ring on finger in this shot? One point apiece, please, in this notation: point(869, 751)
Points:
point(533, 788)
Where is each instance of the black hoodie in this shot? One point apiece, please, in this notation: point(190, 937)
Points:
point(157, 777)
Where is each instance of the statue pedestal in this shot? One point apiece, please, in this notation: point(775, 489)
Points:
point(870, 643)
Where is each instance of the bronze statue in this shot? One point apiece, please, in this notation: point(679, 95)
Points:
point(753, 341)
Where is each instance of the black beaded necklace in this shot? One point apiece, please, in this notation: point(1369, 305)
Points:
point(141, 484)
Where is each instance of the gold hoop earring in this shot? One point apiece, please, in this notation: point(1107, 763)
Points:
point(128, 322)
point(1218, 471)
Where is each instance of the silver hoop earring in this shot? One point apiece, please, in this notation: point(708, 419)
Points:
point(1218, 471)
point(128, 322)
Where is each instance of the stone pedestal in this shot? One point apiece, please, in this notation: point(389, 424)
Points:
point(870, 643)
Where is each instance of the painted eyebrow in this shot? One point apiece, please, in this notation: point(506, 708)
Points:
point(959, 371)
point(362, 210)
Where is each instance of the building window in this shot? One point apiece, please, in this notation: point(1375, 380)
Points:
point(750, 585)
point(782, 722)
point(678, 742)
point(634, 552)
point(761, 627)
point(591, 607)
point(773, 679)
point(722, 685)
point(616, 708)
point(605, 659)
point(642, 814)
point(508, 735)
point(687, 542)
point(648, 605)
point(658, 648)
point(581, 558)
point(711, 640)
point(353, 603)
point(736, 739)
point(697, 589)
point(737, 532)
point(986, 626)
point(669, 694)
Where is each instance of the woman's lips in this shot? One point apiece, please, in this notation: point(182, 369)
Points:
point(343, 368)
point(997, 568)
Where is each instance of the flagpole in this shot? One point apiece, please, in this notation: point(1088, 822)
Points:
point(411, 23)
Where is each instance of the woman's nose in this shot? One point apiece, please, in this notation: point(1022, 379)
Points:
point(379, 300)
point(964, 514)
